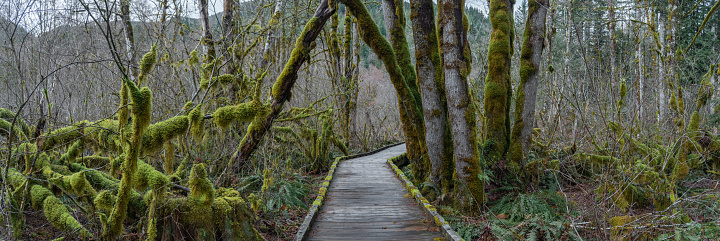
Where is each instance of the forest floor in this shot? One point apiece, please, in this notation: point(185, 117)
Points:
point(280, 224)
point(579, 212)
point(284, 224)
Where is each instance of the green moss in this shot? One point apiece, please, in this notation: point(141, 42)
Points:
point(147, 63)
point(181, 171)
point(96, 161)
point(156, 135)
point(225, 79)
point(8, 116)
point(197, 122)
point(268, 180)
point(201, 189)
point(497, 82)
point(5, 126)
point(194, 59)
point(58, 215)
point(225, 116)
point(169, 158)
point(142, 106)
point(288, 76)
point(623, 92)
point(38, 194)
point(673, 102)
point(680, 103)
point(64, 136)
point(602, 160)
point(75, 150)
point(104, 201)
point(75, 184)
point(147, 177)
point(102, 181)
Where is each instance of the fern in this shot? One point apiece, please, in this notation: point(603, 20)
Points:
point(289, 192)
point(467, 231)
point(532, 217)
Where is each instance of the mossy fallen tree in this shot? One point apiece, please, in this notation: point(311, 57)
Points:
point(51, 170)
point(281, 90)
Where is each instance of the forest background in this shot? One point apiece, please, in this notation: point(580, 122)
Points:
point(624, 137)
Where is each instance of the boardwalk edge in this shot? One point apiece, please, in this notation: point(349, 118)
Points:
point(447, 231)
point(312, 214)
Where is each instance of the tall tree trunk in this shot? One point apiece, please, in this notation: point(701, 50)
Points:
point(355, 89)
point(532, 48)
point(456, 66)
point(497, 84)
point(129, 37)
point(415, 138)
point(207, 38)
point(613, 44)
point(271, 37)
point(281, 90)
point(432, 85)
point(409, 111)
point(347, 81)
point(229, 33)
point(660, 60)
point(670, 75)
point(639, 68)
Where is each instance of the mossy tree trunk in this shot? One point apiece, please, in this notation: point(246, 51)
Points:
point(530, 57)
point(355, 78)
point(228, 32)
point(429, 69)
point(141, 108)
point(281, 90)
point(456, 66)
point(497, 83)
point(349, 84)
point(393, 13)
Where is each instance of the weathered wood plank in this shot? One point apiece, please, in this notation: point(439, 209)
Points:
point(365, 201)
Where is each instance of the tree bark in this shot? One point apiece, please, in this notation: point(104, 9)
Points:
point(393, 13)
point(429, 69)
point(129, 37)
point(347, 82)
point(456, 66)
point(613, 45)
point(228, 32)
point(207, 38)
point(530, 57)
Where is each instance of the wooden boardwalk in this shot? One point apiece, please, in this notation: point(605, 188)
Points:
point(366, 201)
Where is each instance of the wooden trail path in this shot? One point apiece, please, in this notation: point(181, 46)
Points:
point(366, 201)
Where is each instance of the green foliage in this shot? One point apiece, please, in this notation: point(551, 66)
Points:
point(693, 231)
point(287, 193)
point(536, 216)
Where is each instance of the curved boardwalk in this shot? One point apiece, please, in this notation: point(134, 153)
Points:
point(365, 201)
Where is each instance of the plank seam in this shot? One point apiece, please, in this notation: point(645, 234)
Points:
point(447, 231)
point(312, 213)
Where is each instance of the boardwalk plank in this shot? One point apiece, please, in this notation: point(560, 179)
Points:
point(365, 201)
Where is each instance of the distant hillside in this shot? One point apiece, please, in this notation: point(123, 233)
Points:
point(9, 30)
